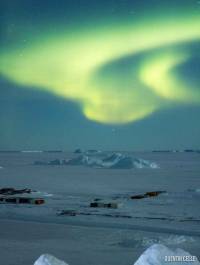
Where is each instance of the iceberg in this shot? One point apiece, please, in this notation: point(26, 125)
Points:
point(159, 254)
point(47, 259)
point(117, 160)
point(113, 161)
point(84, 160)
point(141, 163)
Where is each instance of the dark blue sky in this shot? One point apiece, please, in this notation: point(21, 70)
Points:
point(37, 119)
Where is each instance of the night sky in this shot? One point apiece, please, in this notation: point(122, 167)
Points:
point(106, 74)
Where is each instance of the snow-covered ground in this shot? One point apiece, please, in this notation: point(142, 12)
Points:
point(172, 218)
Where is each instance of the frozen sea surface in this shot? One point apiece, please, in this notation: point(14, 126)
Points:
point(172, 218)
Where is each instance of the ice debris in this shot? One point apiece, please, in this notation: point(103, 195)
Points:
point(159, 254)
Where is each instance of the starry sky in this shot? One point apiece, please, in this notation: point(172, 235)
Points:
point(109, 74)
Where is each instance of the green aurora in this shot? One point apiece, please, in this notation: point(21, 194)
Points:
point(117, 71)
